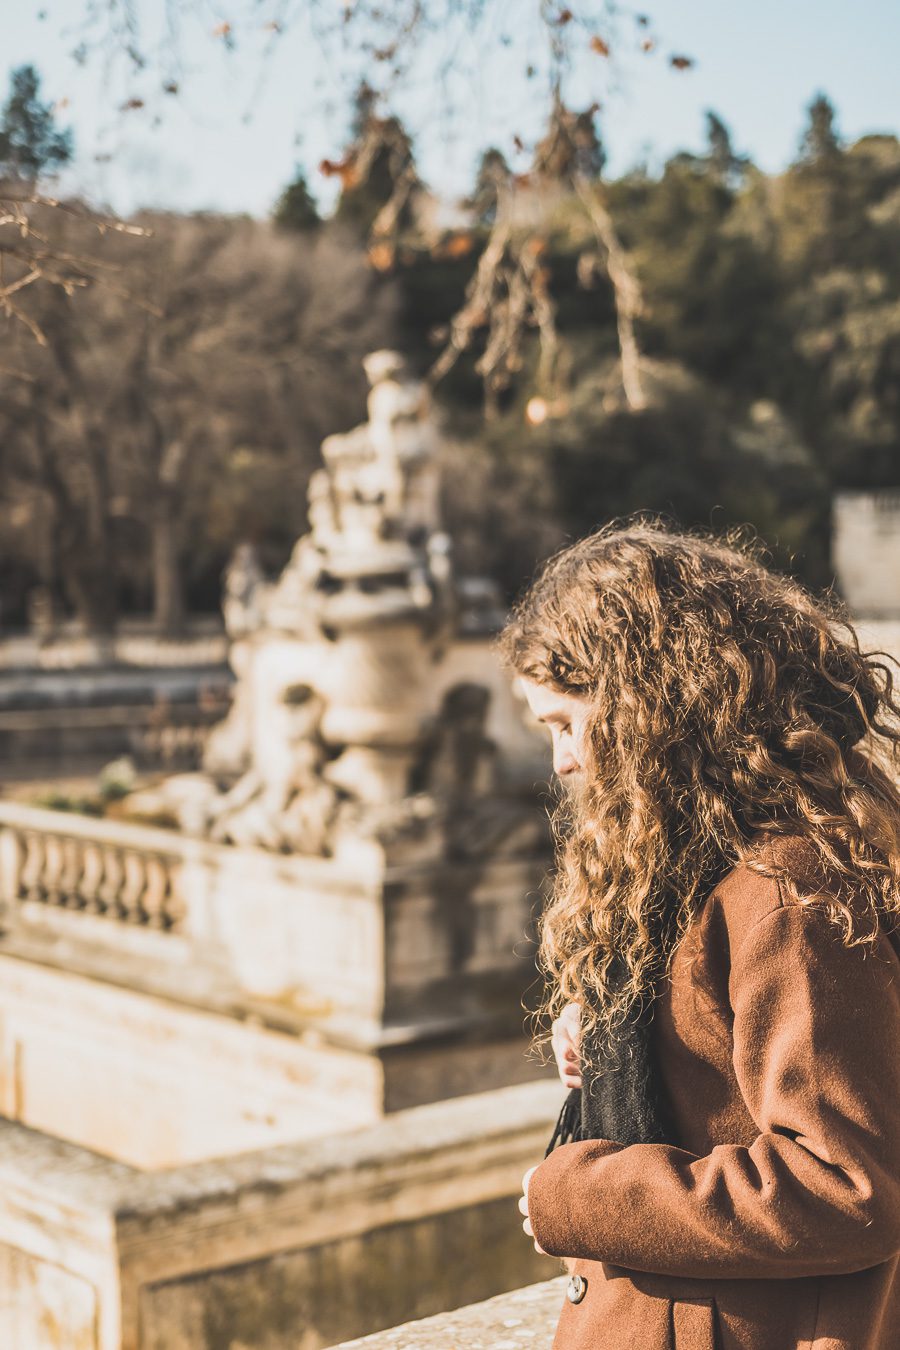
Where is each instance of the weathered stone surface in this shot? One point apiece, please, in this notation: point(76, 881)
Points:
point(43, 1307)
point(307, 1298)
point(866, 552)
point(289, 1247)
point(156, 1083)
point(523, 1320)
point(353, 955)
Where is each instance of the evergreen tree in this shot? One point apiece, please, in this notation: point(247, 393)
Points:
point(820, 143)
point(721, 161)
point(571, 146)
point(493, 172)
point(378, 171)
point(296, 207)
point(364, 103)
point(30, 142)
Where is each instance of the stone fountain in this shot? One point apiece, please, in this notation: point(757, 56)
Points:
point(351, 734)
point(360, 861)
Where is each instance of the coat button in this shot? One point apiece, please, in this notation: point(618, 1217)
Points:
point(577, 1289)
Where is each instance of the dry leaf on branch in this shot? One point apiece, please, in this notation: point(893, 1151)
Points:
point(457, 245)
point(381, 257)
point(345, 169)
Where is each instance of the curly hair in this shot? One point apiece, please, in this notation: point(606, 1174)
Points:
point(727, 707)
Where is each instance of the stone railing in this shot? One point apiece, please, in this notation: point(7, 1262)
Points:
point(204, 643)
point(523, 1320)
point(85, 865)
point(340, 949)
point(257, 923)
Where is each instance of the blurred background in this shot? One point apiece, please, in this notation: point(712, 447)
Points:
point(321, 325)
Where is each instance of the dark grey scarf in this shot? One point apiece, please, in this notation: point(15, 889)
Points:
point(622, 1097)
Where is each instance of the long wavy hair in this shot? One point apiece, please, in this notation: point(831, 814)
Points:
point(727, 706)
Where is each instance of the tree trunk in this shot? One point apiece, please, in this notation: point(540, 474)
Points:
point(90, 582)
point(168, 591)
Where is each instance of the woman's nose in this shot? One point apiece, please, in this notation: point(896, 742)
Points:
point(564, 762)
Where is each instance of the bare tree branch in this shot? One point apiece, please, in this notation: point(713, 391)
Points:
point(29, 257)
point(625, 286)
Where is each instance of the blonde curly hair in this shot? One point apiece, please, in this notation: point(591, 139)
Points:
point(728, 706)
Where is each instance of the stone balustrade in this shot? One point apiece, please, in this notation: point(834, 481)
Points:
point(416, 968)
point(135, 644)
point(104, 890)
point(84, 865)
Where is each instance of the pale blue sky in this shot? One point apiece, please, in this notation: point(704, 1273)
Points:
point(230, 138)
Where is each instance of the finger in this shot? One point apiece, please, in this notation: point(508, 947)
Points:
point(571, 1080)
point(538, 1248)
point(523, 1205)
point(570, 1020)
point(529, 1231)
point(564, 1043)
point(566, 1054)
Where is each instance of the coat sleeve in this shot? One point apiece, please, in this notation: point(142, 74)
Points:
point(817, 1060)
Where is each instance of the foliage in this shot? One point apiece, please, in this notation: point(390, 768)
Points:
point(143, 444)
point(769, 359)
point(760, 314)
point(296, 207)
point(820, 143)
point(30, 142)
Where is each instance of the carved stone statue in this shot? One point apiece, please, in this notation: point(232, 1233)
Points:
point(290, 811)
point(338, 732)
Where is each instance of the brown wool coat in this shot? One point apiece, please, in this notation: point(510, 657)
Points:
point(776, 1224)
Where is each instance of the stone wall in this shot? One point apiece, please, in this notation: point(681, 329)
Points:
point(288, 1248)
point(866, 552)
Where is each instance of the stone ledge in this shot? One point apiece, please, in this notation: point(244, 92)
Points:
point(525, 1318)
point(323, 1235)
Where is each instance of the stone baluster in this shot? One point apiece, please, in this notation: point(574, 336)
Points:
point(134, 886)
point(109, 891)
point(12, 853)
point(32, 872)
point(52, 892)
point(91, 876)
point(72, 872)
point(173, 908)
point(158, 892)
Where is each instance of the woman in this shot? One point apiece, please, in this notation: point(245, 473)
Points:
point(722, 953)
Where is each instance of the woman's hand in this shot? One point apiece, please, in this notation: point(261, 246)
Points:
point(523, 1209)
point(565, 1039)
